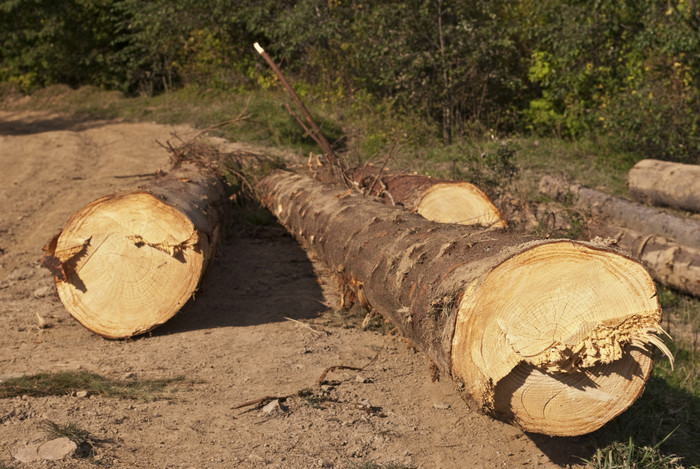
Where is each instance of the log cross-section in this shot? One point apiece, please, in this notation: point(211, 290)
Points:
point(127, 262)
point(551, 335)
point(439, 200)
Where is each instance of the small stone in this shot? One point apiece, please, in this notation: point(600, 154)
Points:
point(81, 394)
point(58, 448)
point(27, 453)
point(52, 450)
point(272, 408)
point(362, 379)
point(441, 406)
point(129, 375)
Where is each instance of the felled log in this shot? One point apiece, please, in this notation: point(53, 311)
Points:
point(550, 335)
point(665, 183)
point(437, 200)
point(670, 263)
point(622, 212)
point(127, 262)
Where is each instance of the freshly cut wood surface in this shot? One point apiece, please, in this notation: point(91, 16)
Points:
point(437, 200)
point(619, 211)
point(670, 263)
point(551, 335)
point(666, 183)
point(127, 262)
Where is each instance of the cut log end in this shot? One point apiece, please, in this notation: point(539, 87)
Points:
point(564, 334)
point(461, 203)
point(130, 261)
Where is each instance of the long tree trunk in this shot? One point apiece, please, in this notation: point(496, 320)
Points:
point(637, 217)
point(550, 335)
point(127, 262)
point(437, 200)
point(670, 263)
point(665, 183)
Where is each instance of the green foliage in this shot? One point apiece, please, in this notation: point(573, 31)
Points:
point(627, 71)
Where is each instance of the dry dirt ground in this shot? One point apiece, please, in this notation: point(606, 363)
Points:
point(257, 327)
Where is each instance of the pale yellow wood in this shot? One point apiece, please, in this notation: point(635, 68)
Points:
point(552, 316)
point(131, 261)
point(459, 202)
point(666, 183)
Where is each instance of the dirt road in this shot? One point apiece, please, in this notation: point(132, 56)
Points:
point(257, 327)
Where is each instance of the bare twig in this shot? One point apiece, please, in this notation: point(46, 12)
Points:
point(305, 325)
point(381, 169)
point(322, 378)
point(317, 134)
point(262, 400)
point(242, 115)
point(303, 126)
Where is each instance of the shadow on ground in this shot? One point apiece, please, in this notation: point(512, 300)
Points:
point(258, 275)
point(18, 124)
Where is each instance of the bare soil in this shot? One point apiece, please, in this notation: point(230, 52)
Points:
point(258, 326)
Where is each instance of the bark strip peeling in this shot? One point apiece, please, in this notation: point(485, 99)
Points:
point(553, 336)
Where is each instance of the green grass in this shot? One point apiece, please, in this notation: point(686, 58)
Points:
point(87, 444)
point(631, 455)
point(66, 383)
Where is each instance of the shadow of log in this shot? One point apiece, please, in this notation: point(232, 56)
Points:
point(259, 275)
point(47, 123)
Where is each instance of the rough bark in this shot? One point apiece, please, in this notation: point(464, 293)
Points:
point(665, 183)
point(550, 335)
point(619, 211)
point(670, 263)
point(437, 200)
point(127, 262)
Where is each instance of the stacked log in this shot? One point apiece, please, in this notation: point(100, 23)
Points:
point(665, 183)
point(631, 215)
point(551, 335)
point(668, 245)
point(127, 262)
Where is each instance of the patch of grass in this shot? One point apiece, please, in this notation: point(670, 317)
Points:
point(65, 383)
point(630, 455)
point(83, 439)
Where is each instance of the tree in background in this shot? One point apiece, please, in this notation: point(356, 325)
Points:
point(626, 70)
